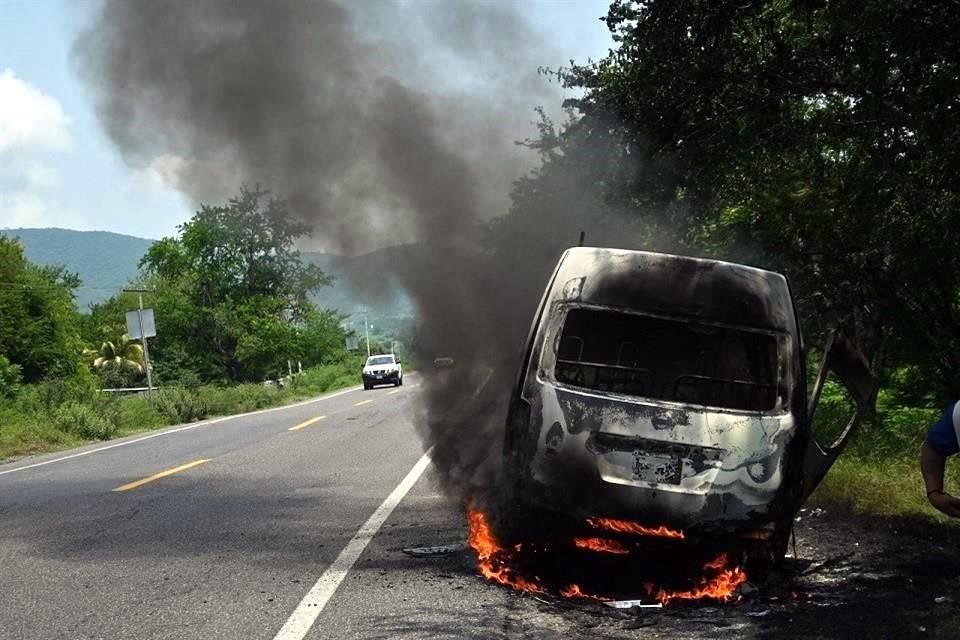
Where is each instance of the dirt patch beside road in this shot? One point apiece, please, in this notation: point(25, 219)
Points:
point(867, 577)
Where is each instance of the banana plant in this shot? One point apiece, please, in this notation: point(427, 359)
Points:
point(123, 354)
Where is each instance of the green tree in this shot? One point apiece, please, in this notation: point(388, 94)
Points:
point(816, 138)
point(38, 320)
point(239, 250)
point(231, 293)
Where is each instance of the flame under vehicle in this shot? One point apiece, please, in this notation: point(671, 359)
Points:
point(671, 391)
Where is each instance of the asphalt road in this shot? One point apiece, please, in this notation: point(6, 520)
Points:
point(224, 549)
point(299, 534)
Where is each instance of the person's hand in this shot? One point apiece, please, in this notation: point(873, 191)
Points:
point(945, 503)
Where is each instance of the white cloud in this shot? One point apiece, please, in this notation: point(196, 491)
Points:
point(30, 118)
point(27, 173)
point(25, 209)
point(41, 176)
point(33, 127)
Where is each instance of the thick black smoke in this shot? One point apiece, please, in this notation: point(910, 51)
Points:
point(380, 123)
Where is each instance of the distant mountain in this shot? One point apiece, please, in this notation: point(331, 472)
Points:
point(106, 262)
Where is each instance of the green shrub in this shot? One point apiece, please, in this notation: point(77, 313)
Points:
point(24, 434)
point(83, 421)
point(114, 377)
point(179, 405)
point(329, 376)
point(240, 398)
point(64, 411)
point(320, 378)
point(9, 378)
point(136, 413)
point(81, 386)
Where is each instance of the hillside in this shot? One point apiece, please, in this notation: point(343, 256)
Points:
point(107, 261)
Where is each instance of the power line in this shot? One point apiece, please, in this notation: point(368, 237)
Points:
point(20, 285)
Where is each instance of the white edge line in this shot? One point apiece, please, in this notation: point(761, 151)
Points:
point(188, 427)
point(303, 617)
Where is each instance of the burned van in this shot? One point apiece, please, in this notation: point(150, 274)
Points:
point(670, 391)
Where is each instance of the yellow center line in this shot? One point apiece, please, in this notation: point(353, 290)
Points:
point(306, 423)
point(390, 393)
point(363, 402)
point(162, 474)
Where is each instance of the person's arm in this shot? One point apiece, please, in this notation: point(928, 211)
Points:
point(932, 464)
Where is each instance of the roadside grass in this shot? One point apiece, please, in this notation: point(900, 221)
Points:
point(893, 488)
point(61, 414)
point(879, 471)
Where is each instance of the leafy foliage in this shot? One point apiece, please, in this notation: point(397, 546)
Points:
point(65, 412)
point(37, 331)
point(231, 297)
point(9, 378)
point(232, 300)
point(179, 405)
point(242, 250)
point(815, 138)
point(83, 421)
point(120, 354)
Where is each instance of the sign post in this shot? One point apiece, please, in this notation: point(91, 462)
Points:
point(141, 324)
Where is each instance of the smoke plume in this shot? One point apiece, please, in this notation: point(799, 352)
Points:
point(380, 123)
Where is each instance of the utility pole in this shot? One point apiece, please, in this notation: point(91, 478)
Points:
point(366, 330)
point(143, 339)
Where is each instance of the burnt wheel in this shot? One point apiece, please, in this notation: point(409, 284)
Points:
point(763, 557)
point(517, 517)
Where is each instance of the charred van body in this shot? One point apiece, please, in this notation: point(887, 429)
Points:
point(672, 391)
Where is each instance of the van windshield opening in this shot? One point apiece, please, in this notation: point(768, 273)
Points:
point(668, 360)
point(374, 360)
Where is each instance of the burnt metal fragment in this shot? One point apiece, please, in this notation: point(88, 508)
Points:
point(633, 604)
point(435, 550)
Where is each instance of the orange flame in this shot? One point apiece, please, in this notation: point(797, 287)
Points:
point(496, 563)
point(574, 591)
point(493, 560)
point(601, 545)
point(722, 586)
point(625, 526)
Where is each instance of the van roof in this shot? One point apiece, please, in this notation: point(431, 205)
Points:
point(709, 290)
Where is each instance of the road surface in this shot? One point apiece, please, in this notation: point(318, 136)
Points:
point(289, 523)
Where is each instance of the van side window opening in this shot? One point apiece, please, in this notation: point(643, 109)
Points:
point(668, 360)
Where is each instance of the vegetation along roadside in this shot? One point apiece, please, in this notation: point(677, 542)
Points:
point(231, 297)
point(59, 414)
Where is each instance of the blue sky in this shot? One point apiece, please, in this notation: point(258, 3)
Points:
point(58, 169)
